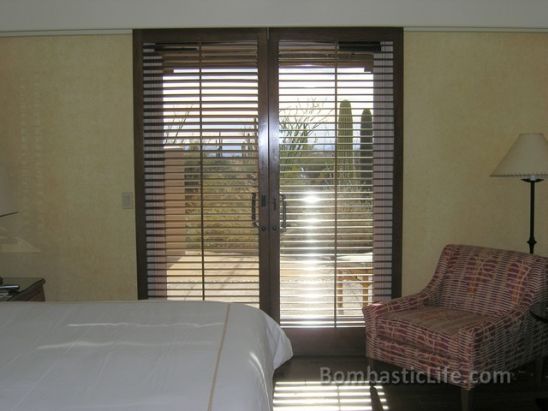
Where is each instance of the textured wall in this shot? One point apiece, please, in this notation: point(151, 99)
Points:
point(66, 129)
point(467, 97)
point(67, 132)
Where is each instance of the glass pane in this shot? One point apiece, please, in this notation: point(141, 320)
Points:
point(326, 166)
point(201, 113)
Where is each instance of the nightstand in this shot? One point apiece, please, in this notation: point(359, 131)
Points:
point(30, 289)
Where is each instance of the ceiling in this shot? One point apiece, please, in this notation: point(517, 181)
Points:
point(61, 15)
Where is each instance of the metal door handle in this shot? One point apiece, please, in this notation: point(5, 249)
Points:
point(254, 210)
point(283, 226)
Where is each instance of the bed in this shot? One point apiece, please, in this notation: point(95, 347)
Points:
point(139, 356)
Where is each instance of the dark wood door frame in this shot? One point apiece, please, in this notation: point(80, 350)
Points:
point(348, 341)
point(197, 35)
point(339, 341)
point(274, 173)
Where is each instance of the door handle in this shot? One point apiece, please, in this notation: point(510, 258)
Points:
point(254, 210)
point(254, 218)
point(283, 226)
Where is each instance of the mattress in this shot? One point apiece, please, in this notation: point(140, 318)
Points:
point(139, 356)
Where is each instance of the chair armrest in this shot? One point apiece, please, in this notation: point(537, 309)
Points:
point(485, 343)
point(409, 302)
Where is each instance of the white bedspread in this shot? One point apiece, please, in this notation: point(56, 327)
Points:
point(139, 356)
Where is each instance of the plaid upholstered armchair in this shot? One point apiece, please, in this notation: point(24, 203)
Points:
point(471, 318)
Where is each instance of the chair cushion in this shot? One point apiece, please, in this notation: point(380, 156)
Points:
point(432, 329)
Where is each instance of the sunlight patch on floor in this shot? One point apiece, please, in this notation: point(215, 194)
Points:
point(315, 396)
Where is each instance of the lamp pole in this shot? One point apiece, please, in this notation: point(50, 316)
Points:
point(532, 181)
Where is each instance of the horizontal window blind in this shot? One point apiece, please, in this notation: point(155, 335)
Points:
point(336, 117)
point(268, 171)
point(200, 114)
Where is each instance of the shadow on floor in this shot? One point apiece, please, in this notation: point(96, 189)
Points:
point(300, 386)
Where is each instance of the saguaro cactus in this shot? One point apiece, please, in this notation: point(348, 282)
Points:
point(344, 144)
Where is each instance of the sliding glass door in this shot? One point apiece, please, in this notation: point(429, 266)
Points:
point(326, 245)
point(334, 158)
point(268, 169)
point(201, 96)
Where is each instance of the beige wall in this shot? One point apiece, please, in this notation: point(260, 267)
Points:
point(67, 131)
point(66, 128)
point(467, 96)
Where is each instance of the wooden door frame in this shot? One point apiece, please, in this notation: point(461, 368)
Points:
point(341, 340)
point(351, 339)
point(174, 35)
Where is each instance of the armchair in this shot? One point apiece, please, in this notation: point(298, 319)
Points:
point(472, 317)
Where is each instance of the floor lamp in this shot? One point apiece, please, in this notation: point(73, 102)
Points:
point(527, 159)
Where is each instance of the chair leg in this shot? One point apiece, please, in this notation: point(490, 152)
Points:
point(371, 364)
point(466, 400)
point(376, 403)
point(539, 365)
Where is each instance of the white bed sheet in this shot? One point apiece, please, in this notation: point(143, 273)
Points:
point(139, 356)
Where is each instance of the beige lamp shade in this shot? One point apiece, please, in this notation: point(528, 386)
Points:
point(7, 194)
point(527, 158)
